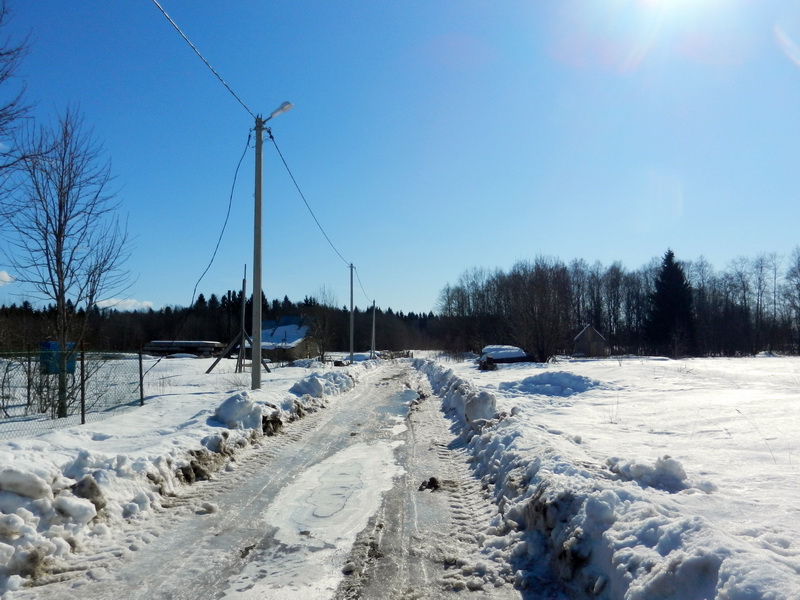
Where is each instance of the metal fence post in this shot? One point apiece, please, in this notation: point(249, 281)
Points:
point(30, 380)
point(141, 380)
point(83, 385)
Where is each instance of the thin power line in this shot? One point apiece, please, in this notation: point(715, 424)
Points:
point(362, 286)
point(299, 191)
point(196, 51)
point(216, 248)
point(227, 216)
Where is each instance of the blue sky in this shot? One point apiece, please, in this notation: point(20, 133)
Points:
point(430, 137)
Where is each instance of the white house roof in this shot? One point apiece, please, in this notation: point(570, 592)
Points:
point(283, 336)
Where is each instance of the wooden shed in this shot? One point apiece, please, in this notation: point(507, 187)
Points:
point(589, 342)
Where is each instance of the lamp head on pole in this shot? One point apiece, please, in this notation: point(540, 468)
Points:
point(286, 106)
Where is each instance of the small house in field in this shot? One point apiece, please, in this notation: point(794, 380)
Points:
point(287, 339)
point(589, 342)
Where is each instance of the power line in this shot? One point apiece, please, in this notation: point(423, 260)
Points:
point(196, 51)
point(362, 286)
point(227, 216)
point(283, 160)
point(299, 191)
point(216, 248)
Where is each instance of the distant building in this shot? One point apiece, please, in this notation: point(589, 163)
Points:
point(287, 339)
point(589, 342)
point(203, 348)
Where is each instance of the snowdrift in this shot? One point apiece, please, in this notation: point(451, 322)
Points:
point(472, 407)
point(597, 529)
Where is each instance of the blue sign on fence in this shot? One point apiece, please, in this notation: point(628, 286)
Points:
point(50, 358)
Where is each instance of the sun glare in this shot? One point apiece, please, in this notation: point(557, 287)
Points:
point(670, 4)
point(678, 7)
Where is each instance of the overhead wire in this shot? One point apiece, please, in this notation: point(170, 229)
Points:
point(308, 206)
point(196, 51)
point(299, 191)
point(362, 286)
point(216, 248)
point(280, 154)
point(227, 215)
point(235, 175)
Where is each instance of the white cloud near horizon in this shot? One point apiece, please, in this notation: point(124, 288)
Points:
point(125, 305)
point(5, 278)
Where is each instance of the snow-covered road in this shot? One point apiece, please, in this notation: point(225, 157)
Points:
point(302, 514)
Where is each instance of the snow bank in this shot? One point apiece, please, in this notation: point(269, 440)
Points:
point(471, 406)
point(617, 528)
point(239, 412)
point(60, 490)
point(317, 385)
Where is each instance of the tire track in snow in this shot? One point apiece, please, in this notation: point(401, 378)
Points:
point(425, 542)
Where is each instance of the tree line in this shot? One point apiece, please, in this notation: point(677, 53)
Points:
point(218, 318)
point(669, 307)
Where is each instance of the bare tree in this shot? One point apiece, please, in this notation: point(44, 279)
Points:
point(792, 289)
point(13, 107)
point(68, 244)
point(322, 309)
point(539, 298)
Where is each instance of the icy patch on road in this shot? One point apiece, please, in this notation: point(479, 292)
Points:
point(315, 522)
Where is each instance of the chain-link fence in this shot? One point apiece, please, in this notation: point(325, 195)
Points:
point(45, 390)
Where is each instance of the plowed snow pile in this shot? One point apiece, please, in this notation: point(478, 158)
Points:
point(638, 478)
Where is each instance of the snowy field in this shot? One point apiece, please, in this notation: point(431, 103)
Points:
point(631, 478)
point(640, 478)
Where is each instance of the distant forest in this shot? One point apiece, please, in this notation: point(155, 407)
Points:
point(668, 307)
point(217, 318)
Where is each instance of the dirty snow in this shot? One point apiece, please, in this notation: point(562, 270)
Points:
point(618, 478)
point(53, 486)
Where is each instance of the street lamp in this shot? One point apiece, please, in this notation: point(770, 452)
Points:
point(256, 345)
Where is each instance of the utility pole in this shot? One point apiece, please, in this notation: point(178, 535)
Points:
point(242, 325)
point(255, 346)
point(352, 314)
point(372, 352)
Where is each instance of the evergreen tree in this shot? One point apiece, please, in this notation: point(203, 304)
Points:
point(670, 321)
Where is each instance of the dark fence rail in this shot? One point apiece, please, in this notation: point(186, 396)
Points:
point(46, 390)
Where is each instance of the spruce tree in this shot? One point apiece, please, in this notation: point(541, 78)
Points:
point(670, 322)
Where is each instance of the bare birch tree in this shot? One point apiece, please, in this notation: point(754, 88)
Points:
point(68, 243)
